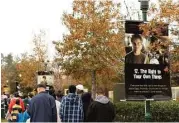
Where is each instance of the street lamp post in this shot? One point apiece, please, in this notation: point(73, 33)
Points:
point(144, 7)
point(46, 64)
point(18, 84)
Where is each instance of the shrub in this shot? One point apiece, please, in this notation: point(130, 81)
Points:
point(161, 111)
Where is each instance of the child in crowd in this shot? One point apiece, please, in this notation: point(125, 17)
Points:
point(16, 109)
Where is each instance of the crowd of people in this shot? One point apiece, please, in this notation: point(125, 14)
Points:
point(76, 106)
point(15, 106)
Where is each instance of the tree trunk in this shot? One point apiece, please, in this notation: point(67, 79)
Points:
point(93, 77)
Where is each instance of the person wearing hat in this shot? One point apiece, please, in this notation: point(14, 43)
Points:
point(80, 89)
point(42, 107)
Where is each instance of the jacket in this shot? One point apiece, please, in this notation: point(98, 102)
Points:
point(16, 109)
point(101, 110)
point(86, 99)
point(42, 108)
point(22, 117)
point(71, 109)
point(130, 58)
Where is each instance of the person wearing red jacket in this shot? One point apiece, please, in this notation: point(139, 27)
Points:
point(13, 102)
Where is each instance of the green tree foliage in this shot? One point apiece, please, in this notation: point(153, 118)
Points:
point(9, 72)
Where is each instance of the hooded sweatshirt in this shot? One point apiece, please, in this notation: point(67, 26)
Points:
point(71, 109)
point(101, 110)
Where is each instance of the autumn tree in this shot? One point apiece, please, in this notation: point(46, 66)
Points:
point(166, 14)
point(27, 67)
point(40, 49)
point(29, 64)
point(94, 45)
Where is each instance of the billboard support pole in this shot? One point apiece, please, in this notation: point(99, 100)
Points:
point(144, 7)
point(147, 111)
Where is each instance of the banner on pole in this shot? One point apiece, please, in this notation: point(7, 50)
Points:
point(147, 81)
point(46, 77)
point(147, 65)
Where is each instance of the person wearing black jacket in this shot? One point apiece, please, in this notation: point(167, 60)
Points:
point(42, 107)
point(86, 99)
point(101, 109)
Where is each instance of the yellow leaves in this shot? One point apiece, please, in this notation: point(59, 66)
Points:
point(175, 60)
point(40, 49)
point(28, 68)
point(154, 27)
point(169, 11)
point(93, 42)
point(175, 67)
point(3, 77)
point(29, 65)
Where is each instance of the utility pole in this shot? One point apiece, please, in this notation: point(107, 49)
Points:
point(144, 7)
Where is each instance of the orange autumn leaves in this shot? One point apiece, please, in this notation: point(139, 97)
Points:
point(30, 64)
point(167, 13)
point(95, 39)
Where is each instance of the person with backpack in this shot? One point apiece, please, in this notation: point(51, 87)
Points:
point(16, 109)
point(13, 102)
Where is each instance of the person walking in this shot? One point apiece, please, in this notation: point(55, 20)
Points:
point(101, 110)
point(71, 109)
point(30, 95)
point(80, 89)
point(13, 102)
point(26, 101)
point(58, 103)
point(16, 109)
point(42, 107)
point(86, 99)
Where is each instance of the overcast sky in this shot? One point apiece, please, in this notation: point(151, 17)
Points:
point(21, 19)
